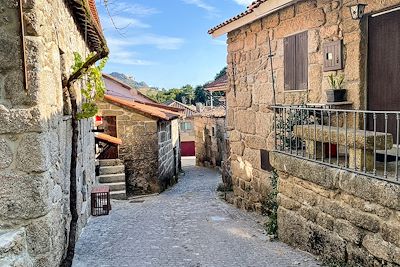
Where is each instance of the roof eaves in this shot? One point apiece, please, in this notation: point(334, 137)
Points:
point(266, 6)
point(86, 17)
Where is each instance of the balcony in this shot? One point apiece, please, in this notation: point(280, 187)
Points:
point(363, 142)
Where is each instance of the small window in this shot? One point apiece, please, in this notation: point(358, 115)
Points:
point(296, 61)
point(213, 131)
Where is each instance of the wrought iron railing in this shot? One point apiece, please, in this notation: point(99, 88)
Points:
point(363, 142)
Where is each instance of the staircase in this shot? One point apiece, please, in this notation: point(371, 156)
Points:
point(112, 174)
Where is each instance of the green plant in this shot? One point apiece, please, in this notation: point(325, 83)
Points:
point(336, 81)
point(95, 88)
point(270, 206)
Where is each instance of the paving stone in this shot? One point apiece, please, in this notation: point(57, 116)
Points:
point(187, 225)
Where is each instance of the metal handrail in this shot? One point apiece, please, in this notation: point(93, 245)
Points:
point(355, 140)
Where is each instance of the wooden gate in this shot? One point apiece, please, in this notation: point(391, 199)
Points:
point(384, 68)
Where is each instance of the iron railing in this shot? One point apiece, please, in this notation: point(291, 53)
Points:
point(363, 142)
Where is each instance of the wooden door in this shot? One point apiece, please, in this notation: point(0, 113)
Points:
point(110, 128)
point(384, 68)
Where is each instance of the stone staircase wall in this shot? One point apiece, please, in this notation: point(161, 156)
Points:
point(112, 174)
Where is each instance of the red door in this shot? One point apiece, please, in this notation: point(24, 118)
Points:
point(188, 149)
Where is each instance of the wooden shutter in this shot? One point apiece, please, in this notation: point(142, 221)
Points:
point(301, 61)
point(289, 62)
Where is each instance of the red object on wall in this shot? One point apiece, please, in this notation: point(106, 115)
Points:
point(333, 150)
point(188, 149)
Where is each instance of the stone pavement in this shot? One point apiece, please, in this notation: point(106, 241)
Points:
point(185, 226)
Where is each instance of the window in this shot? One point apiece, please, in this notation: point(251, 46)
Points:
point(213, 131)
point(186, 126)
point(296, 61)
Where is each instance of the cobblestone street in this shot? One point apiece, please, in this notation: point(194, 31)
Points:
point(187, 225)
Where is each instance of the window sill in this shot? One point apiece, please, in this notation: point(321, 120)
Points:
point(295, 91)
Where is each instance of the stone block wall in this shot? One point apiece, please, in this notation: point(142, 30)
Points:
point(168, 153)
point(250, 94)
point(344, 217)
point(210, 140)
point(35, 129)
point(139, 149)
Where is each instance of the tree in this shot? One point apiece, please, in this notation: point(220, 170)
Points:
point(221, 73)
point(200, 94)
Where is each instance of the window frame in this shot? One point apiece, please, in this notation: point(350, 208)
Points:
point(296, 76)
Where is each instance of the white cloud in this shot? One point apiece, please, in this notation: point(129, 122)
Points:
point(158, 41)
point(119, 7)
point(244, 2)
point(201, 4)
point(122, 22)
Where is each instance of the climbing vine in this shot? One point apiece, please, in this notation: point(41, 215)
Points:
point(94, 88)
point(270, 206)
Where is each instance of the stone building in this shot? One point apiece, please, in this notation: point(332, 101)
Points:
point(187, 132)
point(38, 39)
point(210, 132)
point(282, 53)
point(150, 148)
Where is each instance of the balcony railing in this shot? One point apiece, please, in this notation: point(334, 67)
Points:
point(363, 142)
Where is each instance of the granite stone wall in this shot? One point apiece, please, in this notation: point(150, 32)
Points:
point(210, 140)
point(250, 94)
point(35, 132)
point(139, 149)
point(168, 153)
point(343, 217)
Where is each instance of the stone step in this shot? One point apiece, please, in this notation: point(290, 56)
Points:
point(112, 178)
point(115, 186)
point(117, 169)
point(110, 162)
point(120, 195)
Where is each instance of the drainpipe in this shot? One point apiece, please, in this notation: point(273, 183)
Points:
point(21, 15)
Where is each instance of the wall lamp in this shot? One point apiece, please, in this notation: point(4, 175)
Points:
point(357, 11)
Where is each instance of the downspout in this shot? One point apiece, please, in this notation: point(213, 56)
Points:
point(21, 15)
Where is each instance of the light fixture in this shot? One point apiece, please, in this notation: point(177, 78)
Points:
point(357, 11)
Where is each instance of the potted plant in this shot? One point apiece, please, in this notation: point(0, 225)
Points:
point(336, 93)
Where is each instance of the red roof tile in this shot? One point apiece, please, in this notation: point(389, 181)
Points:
point(157, 112)
point(93, 10)
point(250, 9)
point(220, 84)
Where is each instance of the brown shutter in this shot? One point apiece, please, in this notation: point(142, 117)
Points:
point(301, 61)
point(289, 62)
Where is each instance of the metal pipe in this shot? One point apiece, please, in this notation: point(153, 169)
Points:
point(23, 46)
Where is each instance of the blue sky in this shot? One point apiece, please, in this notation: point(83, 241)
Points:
point(165, 42)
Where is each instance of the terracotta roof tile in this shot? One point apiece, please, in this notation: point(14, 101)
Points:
point(215, 112)
point(220, 84)
point(108, 138)
point(157, 112)
point(250, 9)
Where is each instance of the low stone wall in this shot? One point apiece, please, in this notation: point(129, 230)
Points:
point(342, 216)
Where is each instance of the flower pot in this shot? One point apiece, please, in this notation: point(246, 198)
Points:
point(336, 95)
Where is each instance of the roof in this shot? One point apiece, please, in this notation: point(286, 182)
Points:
point(220, 84)
point(108, 138)
point(212, 112)
point(254, 11)
point(187, 110)
point(87, 18)
point(117, 88)
point(145, 109)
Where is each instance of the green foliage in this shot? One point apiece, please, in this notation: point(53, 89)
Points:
point(95, 88)
point(335, 81)
point(186, 93)
point(221, 73)
point(270, 207)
